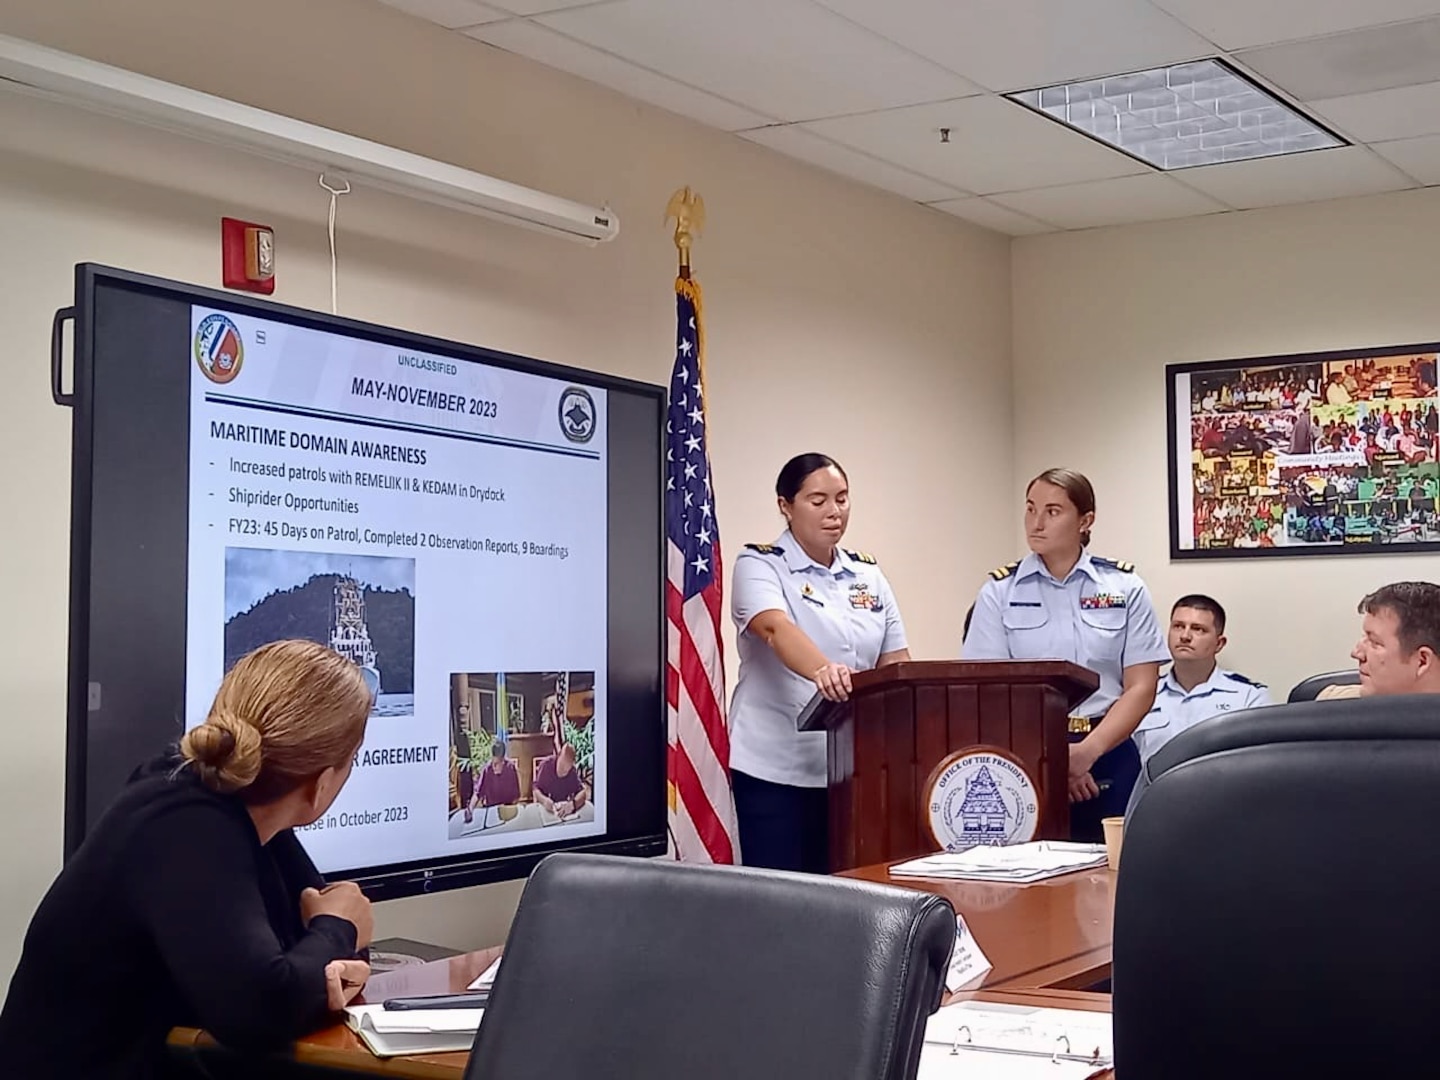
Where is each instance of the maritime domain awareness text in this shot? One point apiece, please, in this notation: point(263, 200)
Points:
point(246, 499)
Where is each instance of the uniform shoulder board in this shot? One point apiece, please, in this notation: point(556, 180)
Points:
point(1241, 678)
point(1117, 564)
point(861, 556)
point(1000, 573)
point(766, 549)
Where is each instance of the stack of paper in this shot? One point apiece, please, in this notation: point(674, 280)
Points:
point(984, 1039)
point(389, 1032)
point(1020, 863)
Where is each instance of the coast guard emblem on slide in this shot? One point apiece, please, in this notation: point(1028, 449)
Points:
point(982, 795)
point(218, 348)
point(577, 414)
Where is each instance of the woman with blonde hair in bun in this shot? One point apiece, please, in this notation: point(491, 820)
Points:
point(191, 902)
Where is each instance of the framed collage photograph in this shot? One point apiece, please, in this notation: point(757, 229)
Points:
point(1313, 454)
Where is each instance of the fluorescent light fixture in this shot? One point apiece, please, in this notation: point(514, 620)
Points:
point(117, 92)
point(1200, 113)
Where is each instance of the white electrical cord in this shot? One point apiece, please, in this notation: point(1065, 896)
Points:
point(335, 193)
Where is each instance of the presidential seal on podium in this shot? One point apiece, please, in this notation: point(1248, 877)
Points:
point(981, 795)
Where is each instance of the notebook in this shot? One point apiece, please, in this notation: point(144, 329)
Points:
point(413, 1031)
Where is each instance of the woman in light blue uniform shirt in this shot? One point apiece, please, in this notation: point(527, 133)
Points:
point(808, 613)
point(1062, 603)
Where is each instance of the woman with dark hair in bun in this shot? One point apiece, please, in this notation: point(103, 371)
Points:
point(191, 901)
point(809, 613)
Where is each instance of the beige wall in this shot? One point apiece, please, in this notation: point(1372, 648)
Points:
point(840, 318)
point(1098, 314)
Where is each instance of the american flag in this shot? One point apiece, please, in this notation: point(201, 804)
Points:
point(702, 807)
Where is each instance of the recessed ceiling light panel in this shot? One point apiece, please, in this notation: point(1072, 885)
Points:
point(1200, 113)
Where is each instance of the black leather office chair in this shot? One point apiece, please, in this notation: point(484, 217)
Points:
point(1275, 912)
point(635, 969)
point(1307, 689)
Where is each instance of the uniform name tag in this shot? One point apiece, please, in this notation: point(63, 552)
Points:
point(1101, 601)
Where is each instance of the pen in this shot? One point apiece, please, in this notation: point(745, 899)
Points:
point(438, 1001)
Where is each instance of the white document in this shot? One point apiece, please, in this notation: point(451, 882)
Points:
point(977, 1039)
point(486, 978)
point(392, 1032)
point(968, 965)
point(1019, 863)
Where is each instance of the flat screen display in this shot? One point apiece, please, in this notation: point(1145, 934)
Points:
point(478, 532)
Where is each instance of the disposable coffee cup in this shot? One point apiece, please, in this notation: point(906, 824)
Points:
point(1114, 834)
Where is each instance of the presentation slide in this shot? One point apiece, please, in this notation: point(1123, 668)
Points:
point(442, 523)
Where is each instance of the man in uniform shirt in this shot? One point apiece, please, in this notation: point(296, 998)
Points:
point(1196, 687)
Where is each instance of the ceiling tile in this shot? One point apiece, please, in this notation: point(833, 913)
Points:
point(1354, 63)
point(1235, 24)
point(995, 145)
point(557, 51)
point(796, 142)
point(1320, 174)
point(788, 58)
point(450, 14)
point(541, 7)
point(1418, 157)
point(1401, 113)
point(1111, 202)
point(989, 215)
point(1023, 44)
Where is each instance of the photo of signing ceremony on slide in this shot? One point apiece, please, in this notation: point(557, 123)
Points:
point(720, 539)
point(522, 751)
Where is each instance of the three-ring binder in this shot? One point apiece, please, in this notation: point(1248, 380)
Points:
point(1096, 1058)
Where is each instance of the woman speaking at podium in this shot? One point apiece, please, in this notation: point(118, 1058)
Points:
point(1062, 603)
point(191, 902)
point(808, 613)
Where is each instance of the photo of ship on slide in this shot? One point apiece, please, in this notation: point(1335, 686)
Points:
point(361, 606)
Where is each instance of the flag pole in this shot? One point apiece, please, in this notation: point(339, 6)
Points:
point(702, 822)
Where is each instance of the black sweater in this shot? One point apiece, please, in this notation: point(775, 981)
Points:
point(170, 913)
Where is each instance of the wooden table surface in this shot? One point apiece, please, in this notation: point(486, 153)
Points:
point(1054, 934)
point(1047, 942)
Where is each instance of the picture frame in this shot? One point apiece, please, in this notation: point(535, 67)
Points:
point(1320, 453)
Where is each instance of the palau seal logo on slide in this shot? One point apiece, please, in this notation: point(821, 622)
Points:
point(577, 414)
point(981, 795)
point(218, 348)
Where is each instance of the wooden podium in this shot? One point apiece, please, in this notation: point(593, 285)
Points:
point(903, 719)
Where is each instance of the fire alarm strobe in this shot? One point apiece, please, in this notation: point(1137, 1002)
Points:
point(248, 255)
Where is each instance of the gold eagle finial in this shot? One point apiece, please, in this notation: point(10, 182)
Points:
point(688, 210)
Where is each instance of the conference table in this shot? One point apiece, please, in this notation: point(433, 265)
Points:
point(1053, 934)
point(1047, 943)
